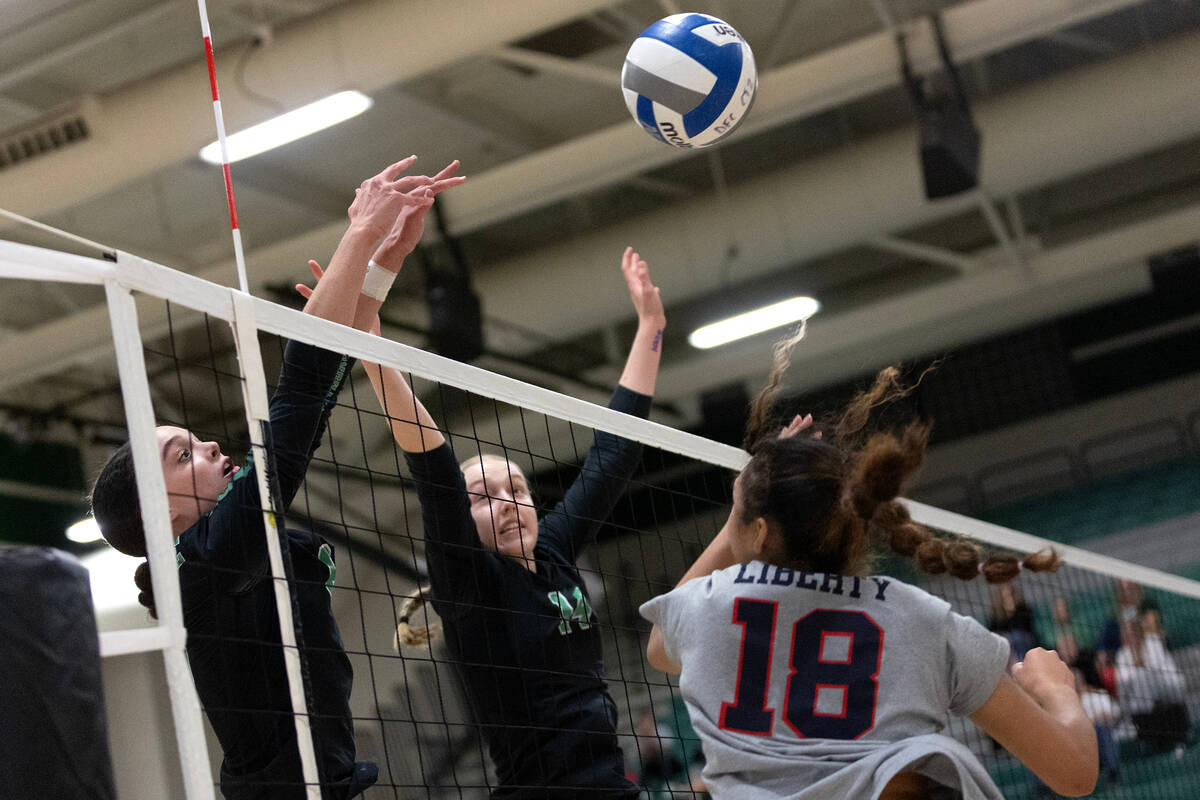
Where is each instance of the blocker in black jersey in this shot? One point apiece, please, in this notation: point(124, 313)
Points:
point(233, 642)
point(526, 643)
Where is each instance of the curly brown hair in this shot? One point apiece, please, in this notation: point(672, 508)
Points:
point(827, 496)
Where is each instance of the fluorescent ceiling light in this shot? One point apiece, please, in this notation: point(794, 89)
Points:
point(760, 319)
point(84, 531)
point(111, 577)
point(289, 127)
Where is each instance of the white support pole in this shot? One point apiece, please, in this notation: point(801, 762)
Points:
point(258, 416)
point(992, 214)
point(925, 252)
point(152, 493)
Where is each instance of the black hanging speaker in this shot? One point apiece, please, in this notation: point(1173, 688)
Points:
point(949, 139)
point(949, 148)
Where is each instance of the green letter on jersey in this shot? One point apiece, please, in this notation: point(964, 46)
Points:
point(325, 556)
point(580, 611)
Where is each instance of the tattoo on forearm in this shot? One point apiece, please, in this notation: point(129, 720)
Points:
point(657, 341)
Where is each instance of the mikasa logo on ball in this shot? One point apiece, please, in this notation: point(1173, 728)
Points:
point(689, 79)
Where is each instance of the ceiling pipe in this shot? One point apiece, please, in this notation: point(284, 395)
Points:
point(365, 46)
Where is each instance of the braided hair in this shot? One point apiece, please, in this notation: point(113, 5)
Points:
point(828, 496)
point(406, 632)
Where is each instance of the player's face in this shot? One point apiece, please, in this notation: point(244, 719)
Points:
point(195, 473)
point(502, 507)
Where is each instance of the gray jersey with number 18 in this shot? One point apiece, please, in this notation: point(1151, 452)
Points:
point(813, 685)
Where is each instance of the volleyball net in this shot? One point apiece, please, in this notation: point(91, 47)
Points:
point(205, 357)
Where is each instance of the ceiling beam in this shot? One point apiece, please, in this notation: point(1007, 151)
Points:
point(795, 213)
point(1103, 268)
point(55, 58)
point(167, 120)
point(960, 262)
point(819, 82)
point(799, 212)
point(576, 69)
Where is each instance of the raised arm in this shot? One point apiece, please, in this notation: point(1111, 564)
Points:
point(1037, 716)
point(641, 367)
point(377, 203)
point(411, 425)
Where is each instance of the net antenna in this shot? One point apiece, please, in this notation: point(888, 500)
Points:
point(238, 254)
point(258, 415)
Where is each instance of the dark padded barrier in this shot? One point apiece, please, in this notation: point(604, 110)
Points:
point(53, 729)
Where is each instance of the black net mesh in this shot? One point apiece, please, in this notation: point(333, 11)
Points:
point(422, 710)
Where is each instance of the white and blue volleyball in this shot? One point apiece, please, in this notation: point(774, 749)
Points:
point(689, 80)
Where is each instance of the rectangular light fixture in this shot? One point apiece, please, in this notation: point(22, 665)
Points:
point(290, 126)
point(762, 319)
point(84, 531)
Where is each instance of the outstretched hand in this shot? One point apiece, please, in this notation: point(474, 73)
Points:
point(409, 226)
point(643, 293)
point(306, 292)
point(798, 423)
point(380, 198)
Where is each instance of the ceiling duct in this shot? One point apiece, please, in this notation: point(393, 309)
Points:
point(49, 134)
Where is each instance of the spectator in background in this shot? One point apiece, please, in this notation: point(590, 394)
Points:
point(1012, 618)
point(1067, 633)
point(1103, 712)
point(1151, 619)
point(1150, 689)
point(1128, 598)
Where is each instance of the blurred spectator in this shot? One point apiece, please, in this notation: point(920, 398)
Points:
point(1012, 618)
point(1151, 619)
point(1127, 596)
point(1069, 635)
point(1150, 688)
point(1103, 713)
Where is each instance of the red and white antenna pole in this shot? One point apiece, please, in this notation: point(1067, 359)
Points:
point(239, 256)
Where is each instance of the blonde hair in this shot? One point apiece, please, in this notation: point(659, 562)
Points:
point(479, 459)
point(406, 633)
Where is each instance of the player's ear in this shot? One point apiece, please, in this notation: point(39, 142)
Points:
point(760, 533)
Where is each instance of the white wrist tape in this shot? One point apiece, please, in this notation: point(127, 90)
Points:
point(377, 281)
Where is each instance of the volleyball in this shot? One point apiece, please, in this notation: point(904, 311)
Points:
point(689, 80)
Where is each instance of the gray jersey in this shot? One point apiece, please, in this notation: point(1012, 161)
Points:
point(806, 685)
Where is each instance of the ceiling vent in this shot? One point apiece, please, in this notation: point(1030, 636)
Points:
point(47, 135)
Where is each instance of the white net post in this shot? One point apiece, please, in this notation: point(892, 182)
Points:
point(152, 493)
point(254, 390)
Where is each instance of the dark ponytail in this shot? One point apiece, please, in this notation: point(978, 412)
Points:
point(141, 577)
point(117, 511)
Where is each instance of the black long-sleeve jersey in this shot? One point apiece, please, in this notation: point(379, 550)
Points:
point(527, 644)
point(233, 642)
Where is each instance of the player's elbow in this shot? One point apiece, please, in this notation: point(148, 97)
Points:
point(1078, 786)
point(1078, 776)
point(656, 654)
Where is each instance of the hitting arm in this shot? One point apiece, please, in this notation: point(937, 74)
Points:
point(1039, 719)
